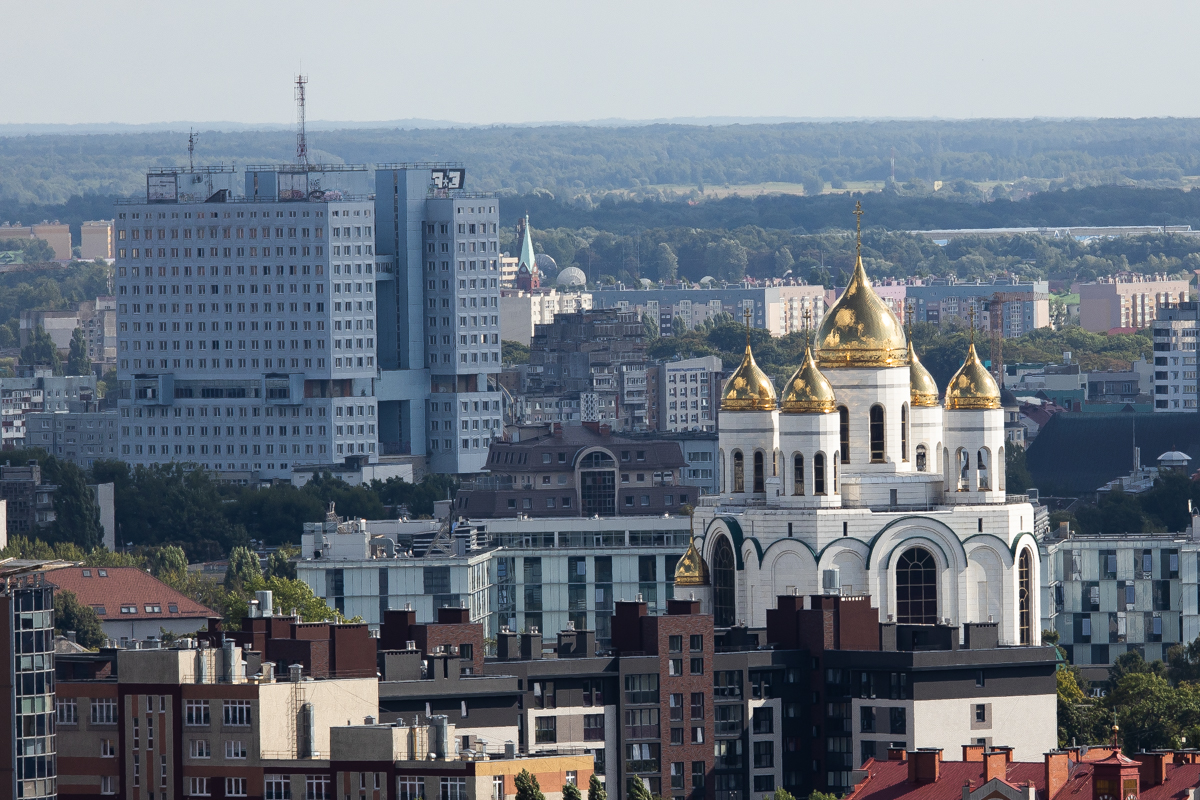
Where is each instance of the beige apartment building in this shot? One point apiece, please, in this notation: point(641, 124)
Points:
point(520, 311)
point(1127, 301)
point(57, 234)
point(96, 239)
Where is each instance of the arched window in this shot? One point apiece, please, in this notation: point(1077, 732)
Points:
point(759, 483)
point(876, 434)
point(1025, 595)
point(904, 432)
point(819, 473)
point(798, 474)
point(774, 463)
point(739, 472)
point(844, 432)
point(916, 587)
point(981, 462)
point(1001, 469)
point(834, 485)
point(724, 613)
point(964, 470)
point(922, 459)
point(721, 465)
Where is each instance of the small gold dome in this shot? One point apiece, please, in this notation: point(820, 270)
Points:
point(808, 391)
point(749, 388)
point(860, 330)
point(922, 387)
point(691, 569)
point(972, 388)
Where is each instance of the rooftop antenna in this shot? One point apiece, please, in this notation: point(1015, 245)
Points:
point(191, 150)
point(301, 138)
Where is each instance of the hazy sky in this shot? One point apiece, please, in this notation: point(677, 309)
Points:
point(509, 62)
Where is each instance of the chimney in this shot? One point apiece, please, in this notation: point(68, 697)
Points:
point(896, 754)
point(1058, 772)
point(1153, 770)
point(924, 765)
point(973, 752)
point(995, 765)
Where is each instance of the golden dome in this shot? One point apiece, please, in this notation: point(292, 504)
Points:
point(808, 391)
point(749, 388)
point(691, 569)
point(972, 388)
point(860, 330)
point(922, 387)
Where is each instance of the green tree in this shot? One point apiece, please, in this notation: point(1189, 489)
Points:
point(596, 789)
point(726, 259)
point(168, 560)
point(76, 515)
point(783, 261)
point(650, 326)
point(527, 786)
point(78, 362)
point(243, 569)
point(782, 794)
point(637, 789)
point(72, 615)
point(571, 792)
point(666, 263)
point(514, 352)
point(41, 351)
point(1016, 474)
point(813, 185)
point(280, 564)
point(822, 796)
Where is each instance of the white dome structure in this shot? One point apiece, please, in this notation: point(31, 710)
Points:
point(571, 276)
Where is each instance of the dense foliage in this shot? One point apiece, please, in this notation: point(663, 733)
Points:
point(569, 159)
point(1156, 705)
point(72, 615)
point(174, 504)
point(45, 288)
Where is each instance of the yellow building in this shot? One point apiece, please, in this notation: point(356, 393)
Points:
point(96, 239)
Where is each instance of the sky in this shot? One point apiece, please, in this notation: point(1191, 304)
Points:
point(518, 62)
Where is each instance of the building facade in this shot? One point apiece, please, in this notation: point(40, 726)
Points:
point(441, 316)
point(521, 311)
point(96, 239)
point(1175, 330)
point(246, 334)
point(1024, 306)
point(38, 390)
point(81, 437)
point(683, 394)
point(779, 309)
point(1128, 301)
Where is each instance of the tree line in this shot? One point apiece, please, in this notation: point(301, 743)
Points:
point(584, 160)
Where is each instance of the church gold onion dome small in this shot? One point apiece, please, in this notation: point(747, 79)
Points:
point(691, 569)
point(972, 388)
point(859, 330)
point(749, 388)
point(922, 387)
point(808, 391)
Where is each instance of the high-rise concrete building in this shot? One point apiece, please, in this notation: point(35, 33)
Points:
point(1128, 301)
point(1175, 330)
point(439, 317)
point(246, 320)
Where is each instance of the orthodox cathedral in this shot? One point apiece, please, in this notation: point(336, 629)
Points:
point(856, 479)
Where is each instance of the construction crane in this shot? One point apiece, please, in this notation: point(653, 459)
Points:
point(995, 308)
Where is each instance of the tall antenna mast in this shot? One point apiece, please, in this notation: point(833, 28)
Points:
point(191, 150)
point(301, 138)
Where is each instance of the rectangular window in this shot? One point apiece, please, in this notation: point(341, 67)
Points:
point(764, 720)
point(68, 711)
point(454, 789)
point(593, 727)
point(899, 721)
point(764, 755)
point(198, 787)
point(641, 689)
point(316, 787)
point(104, 711)
point(409, 788)
point(235, 787)
point(198, 748)
point(235, 750)
point(236, 712)
point(196, 712)
point(277, 787)
point(697, 705)
point(866, 719)
point(545, 732)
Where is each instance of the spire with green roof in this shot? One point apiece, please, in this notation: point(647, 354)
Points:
point(528, 259)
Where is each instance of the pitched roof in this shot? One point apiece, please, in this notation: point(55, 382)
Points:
point(108, 590)
point(888, 780)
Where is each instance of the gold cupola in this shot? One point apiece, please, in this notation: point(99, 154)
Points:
point(859, 329)
point(972, 388)
point(749, 388)
point(808, 391)
point(691, 569)
point(922, 388)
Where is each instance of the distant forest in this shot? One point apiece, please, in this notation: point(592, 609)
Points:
point(570, 161)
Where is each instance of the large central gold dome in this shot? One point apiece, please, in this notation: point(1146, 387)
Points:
point(859, 330)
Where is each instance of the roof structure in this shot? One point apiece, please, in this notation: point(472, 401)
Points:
point(127, 593)
point(1161, 778)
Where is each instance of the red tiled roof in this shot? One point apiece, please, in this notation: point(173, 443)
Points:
point(888, 780)
point(109, 589)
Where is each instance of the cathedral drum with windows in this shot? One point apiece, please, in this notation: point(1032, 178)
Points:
point(854, 478)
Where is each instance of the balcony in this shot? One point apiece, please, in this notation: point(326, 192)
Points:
point(643, 732)
point(729, 727)
point(643, 765)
